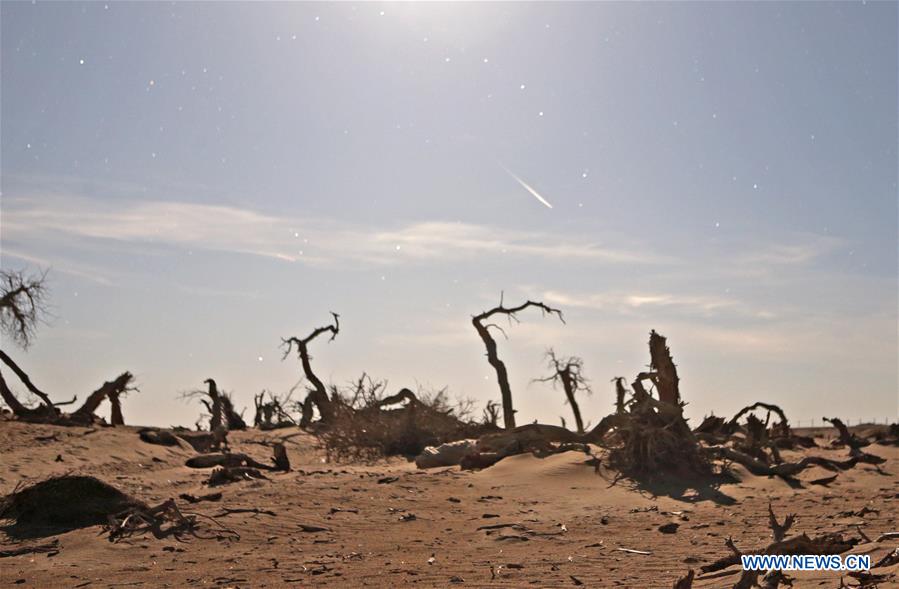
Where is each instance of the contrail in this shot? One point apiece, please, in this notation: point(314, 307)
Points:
point(527, 187)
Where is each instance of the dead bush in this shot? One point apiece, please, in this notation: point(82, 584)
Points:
point(367, 424)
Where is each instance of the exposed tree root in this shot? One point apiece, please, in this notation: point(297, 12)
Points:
point(136, 521)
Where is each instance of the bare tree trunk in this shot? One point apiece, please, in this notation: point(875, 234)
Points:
point(666, 379)
point(502, 375)
point(115, 414)
point(215, 422)
point(11, 401)
point(620, 393)
point(568, 385)
point(26, 381)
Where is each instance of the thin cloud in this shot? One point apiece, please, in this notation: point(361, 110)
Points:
point(806, 249)
point(305, 240)
point(627, 303)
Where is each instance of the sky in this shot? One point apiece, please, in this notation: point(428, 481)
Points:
point(203, 179)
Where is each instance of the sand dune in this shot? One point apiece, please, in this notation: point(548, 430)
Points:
point(527, 521)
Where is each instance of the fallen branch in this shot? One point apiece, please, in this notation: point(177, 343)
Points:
point(51, 547)
point(789, 469)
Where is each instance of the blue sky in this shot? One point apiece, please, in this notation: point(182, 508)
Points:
point(203, 179)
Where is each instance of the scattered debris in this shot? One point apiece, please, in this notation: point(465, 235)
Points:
point(448, 454)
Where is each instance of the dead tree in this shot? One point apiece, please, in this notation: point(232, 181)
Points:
point(109, 389)
point(222, 415)
point(491, 413)
point(214, 406)
point(271, 414)
point(620, 394)
point(318, 394)
point(502, 375)
point(22, 305)
point(115, 410)
point(22, 308)
point(232, 418)
point(569, 373)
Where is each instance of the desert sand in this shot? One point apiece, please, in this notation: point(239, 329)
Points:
point(526, 521)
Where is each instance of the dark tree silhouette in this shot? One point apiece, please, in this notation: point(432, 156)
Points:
point(620, 393)
point(108, 390)
point(22, 305)
point(318, 394)
point(569, 372)
point(502, 375)
point(215, 406)
point(222, 415)
point(272, 414)
point(22, 308)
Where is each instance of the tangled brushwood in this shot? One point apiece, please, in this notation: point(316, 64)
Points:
point(365, 423)
point(649, 434)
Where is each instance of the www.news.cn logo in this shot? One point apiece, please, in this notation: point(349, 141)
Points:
point(806, 562)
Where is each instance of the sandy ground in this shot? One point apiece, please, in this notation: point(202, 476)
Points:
point(569, 520)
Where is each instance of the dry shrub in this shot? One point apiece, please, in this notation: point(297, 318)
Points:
point(649, 436)
point(367, 424)
point(66, 502)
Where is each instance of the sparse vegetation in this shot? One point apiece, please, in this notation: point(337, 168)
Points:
point(367, 423)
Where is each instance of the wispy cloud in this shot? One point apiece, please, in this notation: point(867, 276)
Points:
point(632, 302)
point(804, 250)
point(306, 240)
point(61, 264)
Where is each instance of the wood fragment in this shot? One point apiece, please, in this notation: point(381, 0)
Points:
point(685, 582)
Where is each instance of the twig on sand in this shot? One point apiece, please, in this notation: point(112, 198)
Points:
point(632, 551)
point(256, 510)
